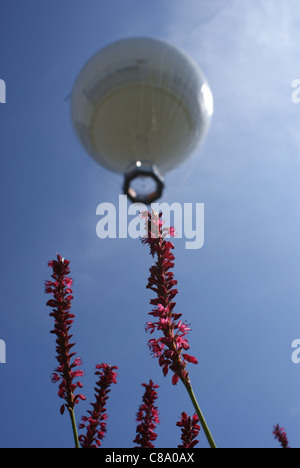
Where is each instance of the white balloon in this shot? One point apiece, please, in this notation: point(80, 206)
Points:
point(141, 100)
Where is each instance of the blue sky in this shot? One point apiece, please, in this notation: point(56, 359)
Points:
point(240, 291)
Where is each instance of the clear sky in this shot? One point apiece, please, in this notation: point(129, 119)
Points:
point(240, 292)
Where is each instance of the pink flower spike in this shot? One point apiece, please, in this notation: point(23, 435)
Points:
point(147, 417)
point(281, 436)
point(189, 430)
point(162, 282)
point(94, 425)
point(60, 289)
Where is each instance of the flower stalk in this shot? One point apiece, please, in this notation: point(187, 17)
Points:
point(171, 347)
point(74, 428)
point(67, 370)
point(202, 420)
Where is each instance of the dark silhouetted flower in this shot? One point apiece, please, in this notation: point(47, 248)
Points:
point(171, 348)
point(189, 430)
point(147, 417)
point(66, 372)
point(281, 436)
point(95, 424)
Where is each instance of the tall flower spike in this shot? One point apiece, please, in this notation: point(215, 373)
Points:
point(66, 373)
point(281, 436)
point(171, 348)
point(147, 417)
point(95, 424)
point(189, 430)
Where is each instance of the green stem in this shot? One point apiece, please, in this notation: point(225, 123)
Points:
point(203, 423)
point(74, 427)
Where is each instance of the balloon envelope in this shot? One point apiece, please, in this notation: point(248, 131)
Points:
point(141, 99)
